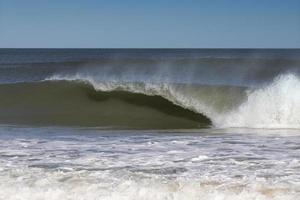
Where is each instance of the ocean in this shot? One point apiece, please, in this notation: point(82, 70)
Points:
point(147, 124)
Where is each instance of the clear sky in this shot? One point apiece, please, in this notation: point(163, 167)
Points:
point(150, 23)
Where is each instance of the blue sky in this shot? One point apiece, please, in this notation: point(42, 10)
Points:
point(150, 23)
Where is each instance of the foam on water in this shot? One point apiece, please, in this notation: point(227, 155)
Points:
point(57, 163)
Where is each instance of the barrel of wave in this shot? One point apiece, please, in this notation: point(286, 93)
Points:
point(211, 101)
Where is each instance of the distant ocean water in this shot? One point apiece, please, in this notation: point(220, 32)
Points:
point(150, 123)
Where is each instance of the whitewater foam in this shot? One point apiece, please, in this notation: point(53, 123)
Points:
point(65, 163)
point(276, 105)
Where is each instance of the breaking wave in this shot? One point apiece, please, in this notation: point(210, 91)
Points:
point(85, 101)
point(275, 105)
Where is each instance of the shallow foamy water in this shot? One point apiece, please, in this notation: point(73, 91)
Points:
point(67, 163)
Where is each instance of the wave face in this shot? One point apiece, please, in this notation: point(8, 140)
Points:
point(77, 104)
point(151, 89)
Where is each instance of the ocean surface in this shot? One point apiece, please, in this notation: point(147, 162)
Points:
point(147, 124)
